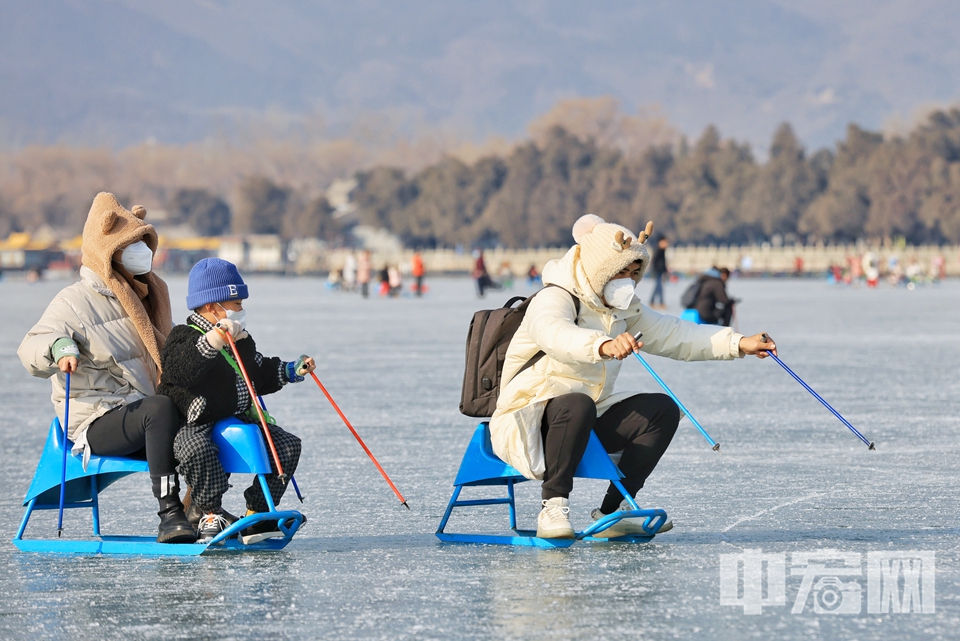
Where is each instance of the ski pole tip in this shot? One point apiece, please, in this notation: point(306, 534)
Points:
point(872, 446)
point(404, 504)
point(716, 447)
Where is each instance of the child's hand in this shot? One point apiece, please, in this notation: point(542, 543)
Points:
point(305, 365)
point(233, 327)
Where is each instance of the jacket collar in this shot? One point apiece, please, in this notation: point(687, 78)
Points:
point(199, 321)
point(89, 278)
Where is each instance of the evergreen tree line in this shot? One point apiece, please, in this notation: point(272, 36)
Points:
point(582, 157)
point(713, 191)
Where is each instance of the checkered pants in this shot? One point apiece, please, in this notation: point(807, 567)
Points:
point(201, 469)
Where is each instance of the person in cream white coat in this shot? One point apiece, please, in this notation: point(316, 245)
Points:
point(545, 412)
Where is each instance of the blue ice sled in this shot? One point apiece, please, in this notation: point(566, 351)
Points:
point(480, 466)
point(241, 452)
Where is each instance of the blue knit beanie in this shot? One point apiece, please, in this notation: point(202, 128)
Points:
point(214, 280)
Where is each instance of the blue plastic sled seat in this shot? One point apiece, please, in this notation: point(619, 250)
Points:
point(242, 451)
point(480, 466)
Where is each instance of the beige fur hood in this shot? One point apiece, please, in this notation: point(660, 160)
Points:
point(108, 229)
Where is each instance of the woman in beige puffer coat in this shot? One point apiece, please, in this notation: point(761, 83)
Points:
point(107, 331)
point(545, 412)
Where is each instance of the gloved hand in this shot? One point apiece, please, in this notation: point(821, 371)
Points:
point(305, 365)
point(233, 327)
point(296, 371)
point(216, 336)
point(65, 354)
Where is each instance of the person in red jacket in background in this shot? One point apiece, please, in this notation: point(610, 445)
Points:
point(417, 272)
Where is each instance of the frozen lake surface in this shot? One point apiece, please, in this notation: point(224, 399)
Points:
point(792, 479)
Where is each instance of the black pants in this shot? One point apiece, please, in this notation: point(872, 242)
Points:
point(143, 429)
point(642, 426)
point(484, 283)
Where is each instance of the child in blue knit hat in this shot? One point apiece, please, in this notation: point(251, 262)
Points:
point(203, 380)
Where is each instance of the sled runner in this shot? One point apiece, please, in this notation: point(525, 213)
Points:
point(480, 466)
point(241, 452)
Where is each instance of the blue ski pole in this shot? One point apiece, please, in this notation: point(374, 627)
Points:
point(63, 462)
point(713, 443)
point(789, 371)
point(292, 479)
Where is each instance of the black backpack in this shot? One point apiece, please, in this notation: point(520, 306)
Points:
point(487, 341)
point(689, 298)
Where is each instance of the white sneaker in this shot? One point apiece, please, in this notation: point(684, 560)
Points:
point(626, 527)
point(554, 519)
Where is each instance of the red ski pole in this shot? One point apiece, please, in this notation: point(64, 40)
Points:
point(253, 401)
point(373, 458)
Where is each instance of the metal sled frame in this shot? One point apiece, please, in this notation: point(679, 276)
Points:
point(241, 451)
point(480, 466)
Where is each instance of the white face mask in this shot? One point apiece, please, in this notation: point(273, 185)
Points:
point(235, 316)
point(619, 292)
point(137, 258)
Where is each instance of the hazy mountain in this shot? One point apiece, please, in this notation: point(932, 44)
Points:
point(120, 71)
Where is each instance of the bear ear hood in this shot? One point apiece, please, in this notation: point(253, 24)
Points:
point(110, 228)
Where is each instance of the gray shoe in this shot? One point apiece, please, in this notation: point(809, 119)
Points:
point(626, 527)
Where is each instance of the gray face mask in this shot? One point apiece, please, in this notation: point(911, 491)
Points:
point(137, 258)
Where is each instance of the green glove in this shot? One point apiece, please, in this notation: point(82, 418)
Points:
point(301, 367)
point(64, 347)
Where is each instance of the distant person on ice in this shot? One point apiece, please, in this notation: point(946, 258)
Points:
point(545, 413)
point(203, 379)
point(417, 271)
point(713, 304)
point(659, 268)
point(481, 275)
point(108, 330)
point(364, 272)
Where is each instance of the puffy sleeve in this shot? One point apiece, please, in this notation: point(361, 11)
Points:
point(685, 341)
point(551, 324)
point(59, 320)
